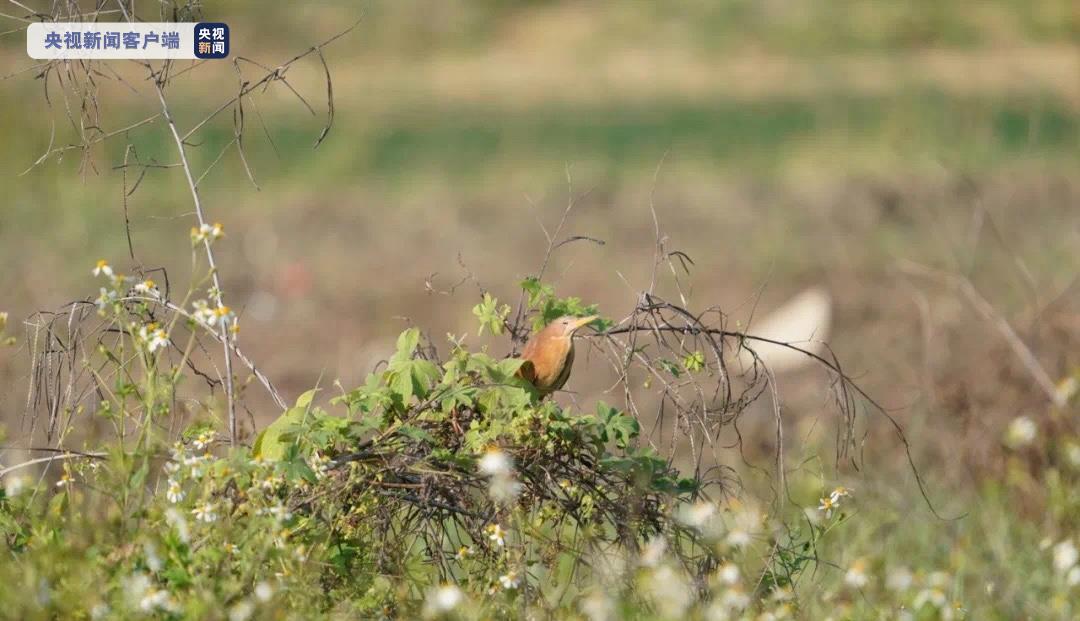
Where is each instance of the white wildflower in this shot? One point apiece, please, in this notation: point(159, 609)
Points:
point(1022, 432)
point(1067, 388)
point(204, 440)
point(103, 268)
point(148, 288)
point(735, 599)
point(66, 478)
point(319, 464)
point(241, 611)
point(442, 600)
point(498, 466)
point(1065, 556)
point(263, 592)
point(856, 575)
point(496, 534)
point(174, 494)
point(598, 607)
point(153, 561)
point(203, 314)
point(698, 515)
point(654, 552)
point(279, 512)
point(728, 573)
point(153, 337)
point(669, 591)
point(204, 513)
point(899, 579)
point(207, 232)
point(827, 506)
point(14, 485)
point(510, 580)
point(179, 524)
point(838, 493)
point(105, 298)
point(933, 596)
point(495, 463)
point(747, 522)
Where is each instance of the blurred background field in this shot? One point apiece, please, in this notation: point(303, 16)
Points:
point(784, 145)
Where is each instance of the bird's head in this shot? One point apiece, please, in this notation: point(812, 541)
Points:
point(566, 325)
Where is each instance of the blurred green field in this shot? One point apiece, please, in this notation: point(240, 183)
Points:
point(783, 145)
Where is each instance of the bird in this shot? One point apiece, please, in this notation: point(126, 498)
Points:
point(549, 354)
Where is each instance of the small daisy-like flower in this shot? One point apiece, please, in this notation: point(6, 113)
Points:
point(14, 485)
point(728, 573)
point(224, 314)
point(103, 267)
point(654, 552)
point(899, 579)
point(1065, 556)
point(279, 512)
point(1067, 388)
point(155, 599)
point(153, 336)
point(105, 298)
point(179, 523)
point(153, 561)
point(271, 482)
point(442, 600)
point(204, 440)
point(933, 596)
point(207, 232)
point(205, 513)
point(856, 575)
point(496, 534)
point(827, 506)
point(698, 515)
point(263, 591)
point(241, 610)
point(203, 314)
point(510, 580)
point(495, 463)
point(319, 464)
point(1022, 431)
point(174, 494)
point(230, 548)
point(838, 493)
point(66, 478)
point(148, 288)
point(464, 552)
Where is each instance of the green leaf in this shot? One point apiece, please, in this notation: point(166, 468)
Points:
point(490, 315)
point(304, 400)
point(694, 362)
point(270, 444)
point(618, 426)
point(407, 343)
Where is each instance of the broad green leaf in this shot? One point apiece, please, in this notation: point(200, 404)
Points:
point(270, 445)
point(304, 400)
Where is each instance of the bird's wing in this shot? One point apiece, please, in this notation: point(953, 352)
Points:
point(527, 371)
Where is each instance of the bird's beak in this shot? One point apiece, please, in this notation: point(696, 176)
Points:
point(584, 321)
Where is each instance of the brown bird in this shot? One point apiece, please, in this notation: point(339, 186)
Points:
point(549, 354)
